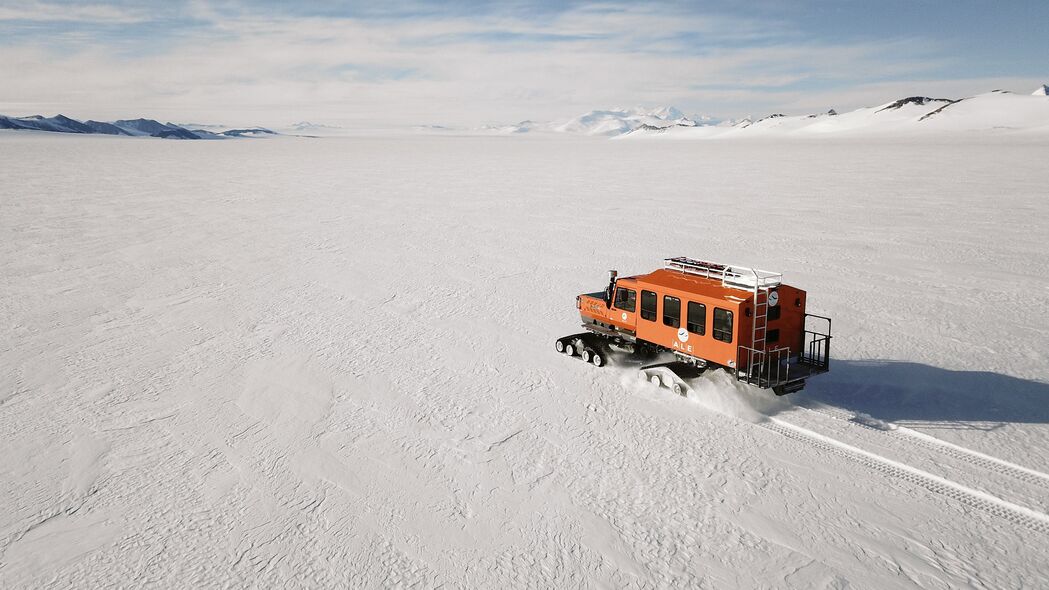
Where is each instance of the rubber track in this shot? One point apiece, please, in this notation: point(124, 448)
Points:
point(1014, 513)
point(950, 449)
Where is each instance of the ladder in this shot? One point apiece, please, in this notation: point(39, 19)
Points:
point(761, 313)
point(755, 368)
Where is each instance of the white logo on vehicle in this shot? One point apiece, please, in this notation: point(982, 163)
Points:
point(624, 316)
point(682, 335)
point(773, 298)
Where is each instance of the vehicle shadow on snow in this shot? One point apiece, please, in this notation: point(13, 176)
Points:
point(922, 395)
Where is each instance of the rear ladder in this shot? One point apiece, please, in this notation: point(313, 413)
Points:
point(757, 365)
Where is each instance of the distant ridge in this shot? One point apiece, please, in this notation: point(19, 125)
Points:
point(106, 128)
point(915, 100)
point(997, 111)
point(129, 127)
point(605, 122)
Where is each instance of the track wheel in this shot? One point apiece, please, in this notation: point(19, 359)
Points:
point(587, 354)
point(569, 349)
point(597, 359)
point(678, 389)
point(560, 345)
point(655, 380)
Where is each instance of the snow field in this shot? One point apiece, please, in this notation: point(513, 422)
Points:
point(330, 362)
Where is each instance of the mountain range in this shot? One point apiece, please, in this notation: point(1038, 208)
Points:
point(995, 112)
point(999, 111)
point(609, 122)
point(129, 127)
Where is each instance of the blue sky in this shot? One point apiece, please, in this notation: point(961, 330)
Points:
point(470, 63)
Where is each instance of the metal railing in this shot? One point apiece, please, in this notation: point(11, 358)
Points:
point(763, 368)
point(730, 275)
point(779, 367)
point(815, 349)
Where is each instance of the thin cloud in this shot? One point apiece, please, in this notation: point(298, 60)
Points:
point(242, 64)
point(51, 12)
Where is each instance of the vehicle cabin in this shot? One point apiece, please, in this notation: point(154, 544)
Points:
point(696, 316)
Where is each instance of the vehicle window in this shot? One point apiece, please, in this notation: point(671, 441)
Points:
point(773, 336)
point(648, 305)
point(626, 299)
point(671, 311)
point(697, 318)
point(774, 312)
point(722, 325)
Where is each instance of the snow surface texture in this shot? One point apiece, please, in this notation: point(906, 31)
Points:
point(330, 362)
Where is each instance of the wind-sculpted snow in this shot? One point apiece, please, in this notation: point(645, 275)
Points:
point(330, 363)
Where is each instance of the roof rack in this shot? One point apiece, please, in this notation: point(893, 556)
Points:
point(730, 275)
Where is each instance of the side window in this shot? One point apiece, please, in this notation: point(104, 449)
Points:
point(697, 318)
point(772, 336)
point(774, 313)
point(648, 305)
point(671, 311)
point(722, 325)
point(626, 299)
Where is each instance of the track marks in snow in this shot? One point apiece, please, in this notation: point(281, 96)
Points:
point(775, 414)
point(993, 505)
point(921, 439)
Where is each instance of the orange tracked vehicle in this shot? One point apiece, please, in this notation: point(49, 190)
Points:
point(707, 315)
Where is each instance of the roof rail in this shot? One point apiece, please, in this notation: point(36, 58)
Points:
point(730, 275)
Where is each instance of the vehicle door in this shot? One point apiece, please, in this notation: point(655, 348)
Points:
point(623, 312)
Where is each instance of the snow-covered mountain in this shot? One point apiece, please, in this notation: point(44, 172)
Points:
point(143, 126)
point(607, 122)
point(132, 127)
point(997, 111)
point(619, 121)
point(514, 128)
point(56, 124)
point(313, 129)
point(308, 126)
point(106, 128)
point(249, 132)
